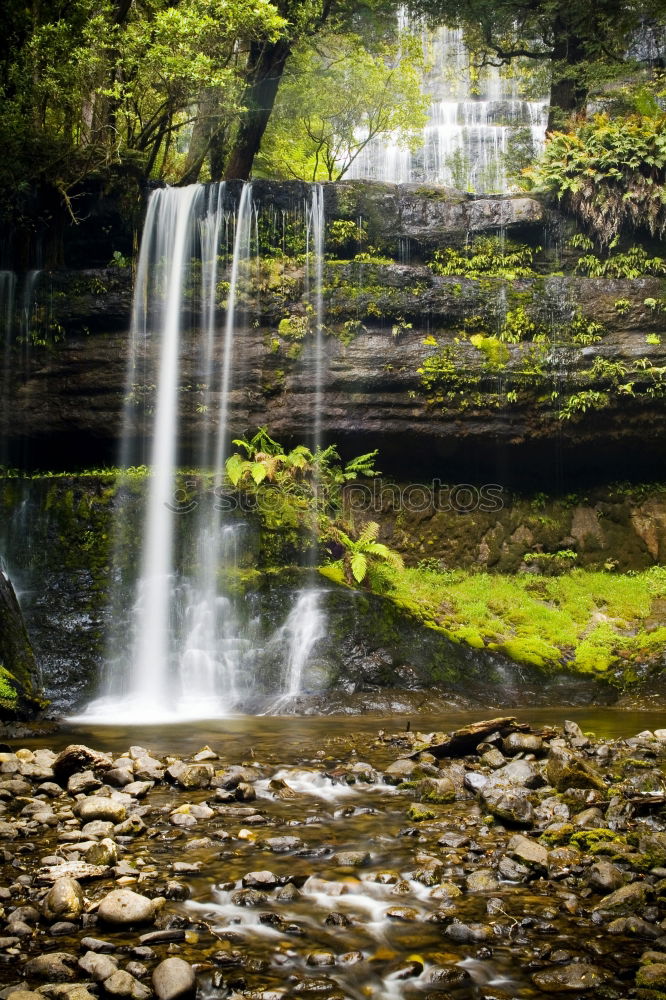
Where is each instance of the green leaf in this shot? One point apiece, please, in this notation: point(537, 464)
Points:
point(359, 566)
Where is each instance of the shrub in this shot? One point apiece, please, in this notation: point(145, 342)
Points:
point(609, 172)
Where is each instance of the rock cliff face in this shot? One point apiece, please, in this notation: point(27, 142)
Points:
point(403, 373)
point(19, 680)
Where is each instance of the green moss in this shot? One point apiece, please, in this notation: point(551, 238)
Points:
point(562, 835)
point(419, 814)
point(587, 839)
point(496, 353)
point(531, 651)
point(8, 694)
point(586, 620)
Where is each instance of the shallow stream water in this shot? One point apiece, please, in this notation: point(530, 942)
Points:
point(369, 926)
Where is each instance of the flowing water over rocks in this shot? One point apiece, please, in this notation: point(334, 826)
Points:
point(498, 861)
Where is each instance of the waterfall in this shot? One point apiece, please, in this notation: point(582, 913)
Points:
point(305, 624)
point(470, 129)
point(151, 654)
point(186, 645)
point(211, 656)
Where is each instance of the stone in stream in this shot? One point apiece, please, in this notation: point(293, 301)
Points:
point(101, 807)
point(351, 859)
point(320, 959)
point(77, 757)
point(122, 908)
point(481, 881)
point(528, 852)
point(138, 789)
point(565, 770)
point(260, 880)
point(98, 945)
point(54, 967)
point(103, 853)
point(119, 777)
point(628, 899)
point(64, 900)
point(516, 743)
point(174, 979)
point(249, 897)
point(574, 978)
point(98, 966)
point(190, 776)
point(605, 877)
point(122, 984)
point(406, 913)
point(83, 782)
point(282, 845)
point(467, 933)
point(230, 777)
point(437, 790)
point(509, 804)
point(652, 976)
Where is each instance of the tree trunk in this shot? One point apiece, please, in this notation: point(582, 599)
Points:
point(568, 92)
point(266, 65)
point(203, 130)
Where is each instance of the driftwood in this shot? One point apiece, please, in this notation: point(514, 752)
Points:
point(465, 740)
point(80, 870)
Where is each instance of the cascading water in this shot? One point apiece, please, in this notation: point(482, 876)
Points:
point(151, 654)
point(212, 650)
point(471, 125)
point(186, 648)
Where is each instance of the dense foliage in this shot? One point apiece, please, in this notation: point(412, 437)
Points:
point(610, 172)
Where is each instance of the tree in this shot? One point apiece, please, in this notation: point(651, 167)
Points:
point(266, 62)
point(336, 96)
point(583, 43)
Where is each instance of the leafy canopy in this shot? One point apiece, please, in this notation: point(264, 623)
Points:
point(336, 96)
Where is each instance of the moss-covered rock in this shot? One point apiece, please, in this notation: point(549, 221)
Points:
point(19, 675)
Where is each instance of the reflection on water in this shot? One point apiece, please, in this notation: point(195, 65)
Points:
point(293, 739)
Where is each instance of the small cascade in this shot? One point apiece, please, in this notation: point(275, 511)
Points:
point(305, 624)
point(471, 125)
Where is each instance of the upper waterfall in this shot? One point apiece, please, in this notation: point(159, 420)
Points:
point(474, 118)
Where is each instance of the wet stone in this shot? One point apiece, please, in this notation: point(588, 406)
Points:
point(64, 900)
point(516, 743)
point(122, 984)
point(122, 907)
point(174, 979)
point(98, 945)
point(249, 897)
point(260, 880)
point(406, 913)
point(320, 959)
point(627, 899)
point(282, 845)
point(351, 859)
point(466, 933)
point(54, 967)
point(83, 782)
point(652, 976)
point(99, 807)
point(605, 877)
point(570, 978)
point(98, 966)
